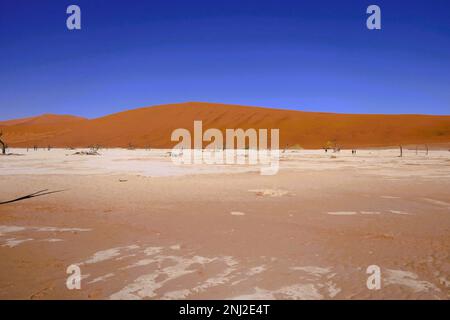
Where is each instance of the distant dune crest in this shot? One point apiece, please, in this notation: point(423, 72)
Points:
point(151, 127)
point(42, 120)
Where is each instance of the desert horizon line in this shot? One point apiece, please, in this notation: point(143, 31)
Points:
point(153, 125)
point(221, 104)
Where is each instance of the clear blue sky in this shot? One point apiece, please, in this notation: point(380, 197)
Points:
point(306, 55)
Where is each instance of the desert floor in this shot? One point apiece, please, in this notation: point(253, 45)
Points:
point(140, 227)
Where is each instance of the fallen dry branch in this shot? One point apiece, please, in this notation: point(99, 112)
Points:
point(86, 153)
point(32, 195)
point(93, 151)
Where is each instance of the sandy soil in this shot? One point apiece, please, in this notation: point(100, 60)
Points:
point(141, 228)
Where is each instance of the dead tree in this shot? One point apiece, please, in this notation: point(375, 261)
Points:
point(336, 148)
point(426, 146)
point(401, 151)
point(4, 146)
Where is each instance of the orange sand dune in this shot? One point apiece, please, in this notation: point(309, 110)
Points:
point(152, 127)
point(37, 130)
point(44, 119)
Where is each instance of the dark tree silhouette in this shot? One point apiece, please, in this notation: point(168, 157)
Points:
point(4, 146)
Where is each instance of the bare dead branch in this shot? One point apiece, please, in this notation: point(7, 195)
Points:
point(32, 195)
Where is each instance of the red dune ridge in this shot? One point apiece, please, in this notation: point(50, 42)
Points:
point(151, 127)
